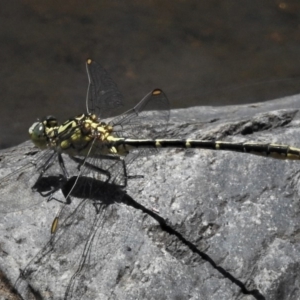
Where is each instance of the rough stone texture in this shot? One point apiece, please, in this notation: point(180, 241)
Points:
point(200, 225)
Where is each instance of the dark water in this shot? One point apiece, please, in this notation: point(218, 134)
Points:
point(199, 52)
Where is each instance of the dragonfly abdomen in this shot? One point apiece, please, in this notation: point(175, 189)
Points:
point(261, 149)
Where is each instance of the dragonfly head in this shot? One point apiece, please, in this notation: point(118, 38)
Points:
point(41, 132)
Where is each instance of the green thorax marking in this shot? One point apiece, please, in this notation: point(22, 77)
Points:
point(75, 136)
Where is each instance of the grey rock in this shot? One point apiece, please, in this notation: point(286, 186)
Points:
point(201, 224)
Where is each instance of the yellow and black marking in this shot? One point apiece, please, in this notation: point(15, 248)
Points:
point(261, 149)
point(74, 137)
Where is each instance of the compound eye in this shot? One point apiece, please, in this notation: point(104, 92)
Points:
point(38, 135)
point(37, 129)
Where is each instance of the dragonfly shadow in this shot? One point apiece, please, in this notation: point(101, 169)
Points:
point(82, 187)
point(47, 186)
point(95, 190)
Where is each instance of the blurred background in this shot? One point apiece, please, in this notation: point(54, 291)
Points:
point(199, 52)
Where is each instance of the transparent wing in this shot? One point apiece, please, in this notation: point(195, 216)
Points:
point(148, 119)
point(19, 175)
point(110, 169)
point(103, 95)
point(85, 245)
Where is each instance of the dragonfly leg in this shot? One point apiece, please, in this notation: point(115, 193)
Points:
point(45, 167)
point(62, 166)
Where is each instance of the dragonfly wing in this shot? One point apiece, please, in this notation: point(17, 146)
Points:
point(85, 240)
point(148, 119)
point(19, 177)
point(103, 95)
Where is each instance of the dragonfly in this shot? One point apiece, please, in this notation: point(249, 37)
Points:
point(103, 149)
point(88, 139)
point(108, 145)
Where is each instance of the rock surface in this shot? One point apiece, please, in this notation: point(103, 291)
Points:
point(201, 224)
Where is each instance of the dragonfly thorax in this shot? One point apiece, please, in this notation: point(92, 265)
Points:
point(76, 135)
